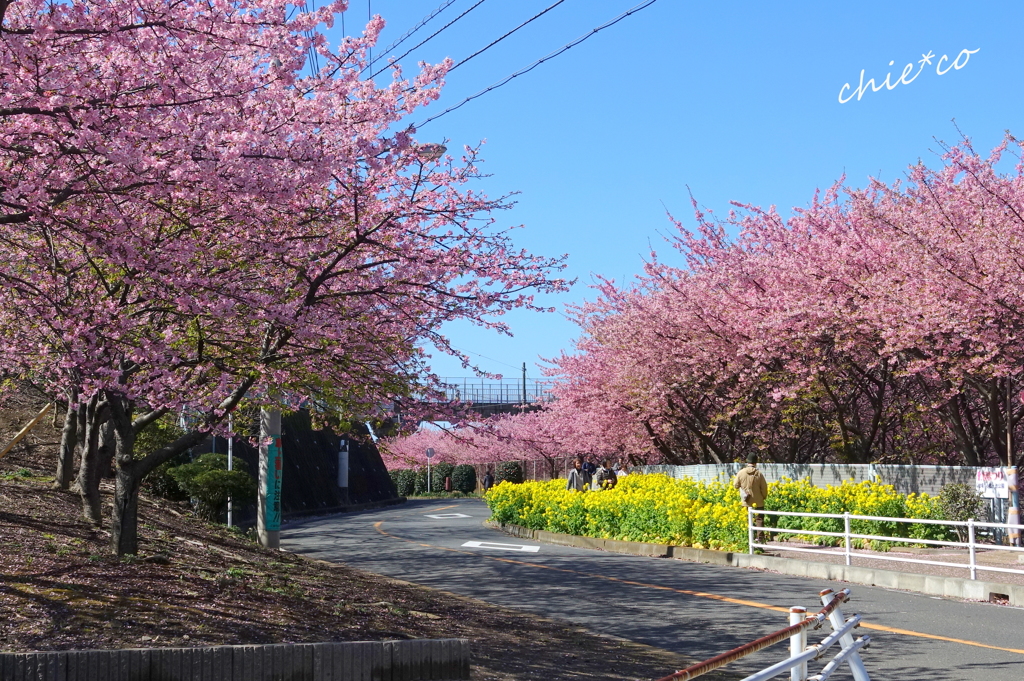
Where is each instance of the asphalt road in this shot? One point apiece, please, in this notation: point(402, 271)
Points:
point(694, 609)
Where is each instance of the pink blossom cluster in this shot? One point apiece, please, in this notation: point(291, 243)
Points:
point(184, 211)
point(546, 436)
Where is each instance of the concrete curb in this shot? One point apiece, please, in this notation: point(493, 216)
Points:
point(949, 587)
point(414, 660)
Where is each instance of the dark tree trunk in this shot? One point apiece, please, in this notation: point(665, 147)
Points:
point(68, 444)
point(130, 471)
point(106, 449)
point(88, 482)
point(124, 524)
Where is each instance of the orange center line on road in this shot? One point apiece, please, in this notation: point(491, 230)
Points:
point(699, 594)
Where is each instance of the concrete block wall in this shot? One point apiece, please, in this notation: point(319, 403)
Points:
point(906, 479)
point(414, 660)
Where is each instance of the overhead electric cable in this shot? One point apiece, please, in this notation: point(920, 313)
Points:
point(423, 22)
point(429, 38)
point(634, 10)
point(495, 42)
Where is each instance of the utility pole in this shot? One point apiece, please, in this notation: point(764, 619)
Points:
point(524, 384)
point(268, 513)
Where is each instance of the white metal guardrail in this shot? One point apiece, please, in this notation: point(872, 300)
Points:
point(800, 652)
point(972, 545)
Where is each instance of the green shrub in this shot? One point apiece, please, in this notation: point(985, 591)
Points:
point(960, 501)
point(437, 475)
point(210, 483)
point(420, 486)
point(157, 435)
point(464, 478)
point(508, 471)
point(405, 481)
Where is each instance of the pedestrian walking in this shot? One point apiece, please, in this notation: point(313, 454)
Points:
point(753, 491)
point(579, 479)
point(488, 480)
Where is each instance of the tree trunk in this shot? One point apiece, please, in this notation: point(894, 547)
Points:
point(68, 444)
point(106, 448)
point(89, 470)
point(124, 525)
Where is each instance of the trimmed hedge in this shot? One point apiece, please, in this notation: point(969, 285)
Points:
point(464, 478)
point(508, 471)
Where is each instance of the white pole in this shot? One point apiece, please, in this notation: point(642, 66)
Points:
point(750, 530)
point(231, 453)
point(846, 523)
point(798, 643)
point(970, 541)
point(837, 620)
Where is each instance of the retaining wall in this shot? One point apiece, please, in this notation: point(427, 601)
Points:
point(906, 479)
point(413, 660)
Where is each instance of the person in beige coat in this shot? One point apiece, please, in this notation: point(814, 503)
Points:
point(753, 491)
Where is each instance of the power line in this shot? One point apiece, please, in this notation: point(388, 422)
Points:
point(482, 50)
point(486, 357)
point(423, 22)
point(428, 39)
point(503, 81)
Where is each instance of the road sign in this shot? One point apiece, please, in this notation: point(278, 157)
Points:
point(430, 452)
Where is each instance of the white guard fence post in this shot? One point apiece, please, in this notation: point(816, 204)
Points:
point(846, 535)
point(798, 643)
point(970, 542)
point(750, 530)
point(837, 620)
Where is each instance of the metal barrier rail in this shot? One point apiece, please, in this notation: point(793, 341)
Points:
point(800, 652)
point(846, 535)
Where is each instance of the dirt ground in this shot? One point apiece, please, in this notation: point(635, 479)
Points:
point(195, 584)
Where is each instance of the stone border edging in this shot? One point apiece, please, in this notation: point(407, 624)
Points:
point(412, 660)
point(950, 587)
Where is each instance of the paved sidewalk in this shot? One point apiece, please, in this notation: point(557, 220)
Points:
point(1013, 560)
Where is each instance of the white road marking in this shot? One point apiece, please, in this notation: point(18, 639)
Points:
point(504, 547)
point(446, 516)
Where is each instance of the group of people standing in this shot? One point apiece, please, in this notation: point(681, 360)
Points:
point(584, 475)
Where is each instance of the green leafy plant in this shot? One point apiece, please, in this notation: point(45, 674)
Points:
point(405, 481)
point(508, 471)
point(437, 475)
point(464, 478)
point(208, 481)
point(960, 501)
point(420, 484)
point(157, 435)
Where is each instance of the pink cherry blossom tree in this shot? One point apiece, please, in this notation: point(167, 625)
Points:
point(875, 324)
point(191, 222)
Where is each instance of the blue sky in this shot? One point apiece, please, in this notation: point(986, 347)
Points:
point(727, 100)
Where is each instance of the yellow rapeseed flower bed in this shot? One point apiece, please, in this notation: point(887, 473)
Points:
point(684, 512)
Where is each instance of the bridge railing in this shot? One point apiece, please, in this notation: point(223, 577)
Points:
point(800, 652)
point(510, 391)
